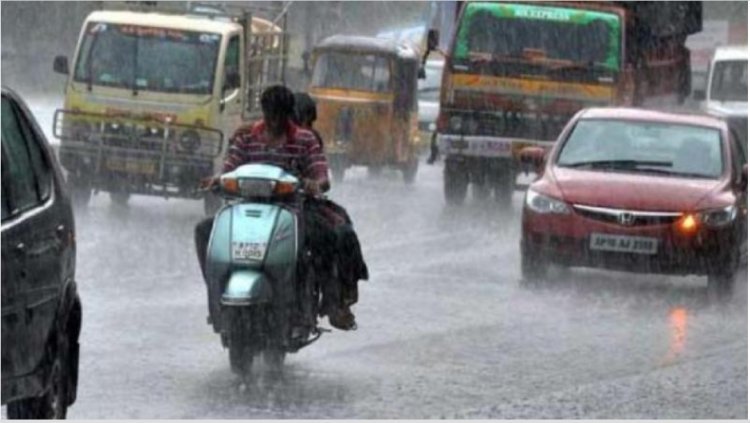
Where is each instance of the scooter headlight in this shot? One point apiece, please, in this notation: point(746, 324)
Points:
point(544, 204)
point(256, 187)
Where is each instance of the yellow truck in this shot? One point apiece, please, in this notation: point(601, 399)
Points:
point(153, 95)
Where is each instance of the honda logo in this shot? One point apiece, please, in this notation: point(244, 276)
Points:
point(626, 219)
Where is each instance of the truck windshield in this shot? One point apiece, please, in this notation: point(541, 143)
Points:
point(729, 81)
point(501, 31)
point(148, 58)
point(362, 72)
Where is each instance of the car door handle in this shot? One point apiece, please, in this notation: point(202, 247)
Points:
point(21, 247)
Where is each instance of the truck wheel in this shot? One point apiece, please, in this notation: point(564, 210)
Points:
point(53, 404)
point(79, 189)
point(455, 183)
point(119, 198)
point(409, 171)
point(504, 185)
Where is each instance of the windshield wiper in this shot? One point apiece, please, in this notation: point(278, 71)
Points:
point(619, 164)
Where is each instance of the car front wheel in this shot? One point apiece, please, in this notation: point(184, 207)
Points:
point(53, 404)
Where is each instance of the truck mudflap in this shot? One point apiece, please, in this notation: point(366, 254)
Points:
point(155, 149)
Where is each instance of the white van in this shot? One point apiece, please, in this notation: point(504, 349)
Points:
point(726, 87)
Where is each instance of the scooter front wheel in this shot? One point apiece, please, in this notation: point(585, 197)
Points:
point(243, 340)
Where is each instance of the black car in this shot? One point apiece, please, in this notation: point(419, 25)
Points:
point(41, 310)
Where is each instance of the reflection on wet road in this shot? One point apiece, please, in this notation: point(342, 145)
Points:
point(444, 328)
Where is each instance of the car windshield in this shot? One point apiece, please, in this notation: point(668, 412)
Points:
point(585, 37)
point(729, 81)
point(148, 58)
point(644, 147)
point(362, 72)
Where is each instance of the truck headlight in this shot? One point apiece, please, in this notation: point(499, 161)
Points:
point(190, 141)
point(545, 205)
point(715, 218)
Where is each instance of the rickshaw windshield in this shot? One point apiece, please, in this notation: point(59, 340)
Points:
point(362, 72)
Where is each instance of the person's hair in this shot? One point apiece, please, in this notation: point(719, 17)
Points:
point(277, 100)
point(305, 110)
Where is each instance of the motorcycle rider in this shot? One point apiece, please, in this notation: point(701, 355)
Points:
point(277, 140)
point(350, 264)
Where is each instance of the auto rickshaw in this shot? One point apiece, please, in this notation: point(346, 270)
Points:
point(366, 92)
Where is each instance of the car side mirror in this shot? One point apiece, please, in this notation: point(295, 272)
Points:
point(699, 95)
point(422, 74)
point(60, 65)
point(433, 39)
point(533, 157)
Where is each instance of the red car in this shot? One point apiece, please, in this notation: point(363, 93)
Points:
point(639, 191)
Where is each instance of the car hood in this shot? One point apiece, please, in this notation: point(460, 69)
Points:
point(632, 191)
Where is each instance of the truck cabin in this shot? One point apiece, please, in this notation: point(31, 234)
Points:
point(367, 65)
point(159, 54)
point(539, 40)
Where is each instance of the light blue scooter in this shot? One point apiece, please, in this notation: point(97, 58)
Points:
point(263, 296)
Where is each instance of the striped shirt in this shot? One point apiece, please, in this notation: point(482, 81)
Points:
point(300, 155)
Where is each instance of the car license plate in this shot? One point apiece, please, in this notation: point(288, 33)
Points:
point(130, 166)
point(623, 244)
point(244, 251)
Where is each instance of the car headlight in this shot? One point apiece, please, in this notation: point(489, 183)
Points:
point(545, 205)
point(718, 217)
point(190, 141)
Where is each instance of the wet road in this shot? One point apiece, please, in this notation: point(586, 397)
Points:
point(444, 328)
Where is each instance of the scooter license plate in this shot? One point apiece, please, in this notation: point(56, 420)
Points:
point(245, 251)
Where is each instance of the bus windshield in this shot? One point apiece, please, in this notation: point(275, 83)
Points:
point(148, 58)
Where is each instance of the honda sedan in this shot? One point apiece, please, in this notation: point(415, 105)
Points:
point(638, 191)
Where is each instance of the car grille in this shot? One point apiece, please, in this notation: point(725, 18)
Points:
point(626, 217)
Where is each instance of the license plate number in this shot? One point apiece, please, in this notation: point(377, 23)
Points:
point(131, 166)
point(623, 244)
point(244, 251)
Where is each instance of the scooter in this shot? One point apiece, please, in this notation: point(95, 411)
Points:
point(262, 292)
